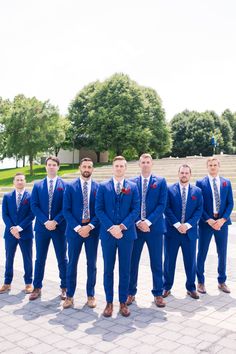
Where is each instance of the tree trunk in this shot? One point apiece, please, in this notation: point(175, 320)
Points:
point(16, 161)
point(98, 156)
point(31, 165)
point(23, 161)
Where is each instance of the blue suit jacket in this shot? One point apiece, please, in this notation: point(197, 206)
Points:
point(226, 199)
point(23, 217)
point(155, 201)
point(73, 206)
point(193, 212)
point(40, 205)
point(107, 204)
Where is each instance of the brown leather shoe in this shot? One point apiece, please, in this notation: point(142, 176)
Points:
point(159, 301)
point(91, 302)
point(166, 293)
point(28, 288)
point(36, 293)
point(124, 311)
point(193, 294)
point(223, 287)
point(5, 288)
point(108, 310)
point(130, 299)
point(63, 293)
point(69, 302)
point(201, 288)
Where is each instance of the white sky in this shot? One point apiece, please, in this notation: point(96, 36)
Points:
point(184, 49)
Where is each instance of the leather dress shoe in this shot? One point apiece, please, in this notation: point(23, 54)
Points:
point(28, 288)
point(201, 288)
point(130, 299)
point(69, 302)
point(91, 302)
point(124, 311)
point(108, 310)
point(5, 288)
point(36, 293)
point(63, 293)
point(159, 301)
point(193, 294)
point(166, 293)
point(223, 287)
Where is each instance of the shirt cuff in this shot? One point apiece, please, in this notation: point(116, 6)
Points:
point(138, 222)
point(77, 228)
point(92, 226)
point(124, 227)
point(148, 222)
point(188, 225)
point(19, 228)
point(177, 225)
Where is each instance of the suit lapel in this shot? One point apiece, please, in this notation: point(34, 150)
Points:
point(13, 202)
point(209, 188)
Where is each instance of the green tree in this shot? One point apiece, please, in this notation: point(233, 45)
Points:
point(32, 126)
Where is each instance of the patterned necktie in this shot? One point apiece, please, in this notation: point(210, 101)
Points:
point(50, 195)
point(143, 204)
point(18, 201)
point(183, 197)
point(118, 188)
point(216, 195)
point(85, 201)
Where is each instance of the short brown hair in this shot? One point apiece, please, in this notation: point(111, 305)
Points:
point(184, 165)
point(86, 159)
point(18, 174)
point(53, 158)
point(145, 156)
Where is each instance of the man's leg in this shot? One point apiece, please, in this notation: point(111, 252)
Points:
point(155, 248)
point(171, 247)
point(205, 235)
point(10, 250)
point(136, 254)
point(42, 242)
point(189, 256)
point(59, 243)
point(91, 246)
point(74, 249)
point(125, 248)
point(221, 239)
point(26, 250)
point(109, 247)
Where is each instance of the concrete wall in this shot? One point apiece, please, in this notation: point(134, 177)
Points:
point(67, 156)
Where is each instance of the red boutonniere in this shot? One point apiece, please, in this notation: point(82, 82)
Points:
point(224, 184)
point(194, 197)
point(94, 193)
point(125, 190)
point(25, 201)
point(153, 186)
point(59, 189)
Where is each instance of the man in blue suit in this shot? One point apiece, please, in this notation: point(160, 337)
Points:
point(117, 207)
point(183, 211)
point(218, 205)
point(17, 216)
point(150, 228)
point(46, 204)
point(82, 228)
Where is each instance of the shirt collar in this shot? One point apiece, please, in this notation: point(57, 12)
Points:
point(53, 179)
point(211, 178)
point(147, 178)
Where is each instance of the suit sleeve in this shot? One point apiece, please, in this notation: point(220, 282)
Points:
point(5, 214)
point(35, 206)
point(135, 205)
point(67, 208)
point(158, 212)
point(205, 216)
point(27, 220)
point(229, 203)
point(100, 208)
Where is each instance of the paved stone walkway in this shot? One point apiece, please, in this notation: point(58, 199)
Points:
point(184, 326)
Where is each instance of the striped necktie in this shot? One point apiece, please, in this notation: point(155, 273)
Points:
point(118, 188)
point(183, 197)
point(216, 195)
point(18, 200)
point(143, 203)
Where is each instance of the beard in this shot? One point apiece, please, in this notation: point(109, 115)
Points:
point(86, 174)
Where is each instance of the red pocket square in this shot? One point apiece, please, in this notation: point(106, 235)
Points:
point(59, 189)
point(125, 190)
point(153, 186)
point(224, 184)
point(194, 197)
point(25, 201)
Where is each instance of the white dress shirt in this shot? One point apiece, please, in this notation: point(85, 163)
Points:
point(21, 192)
point(212, 189)
point(142, 181)
point(178, 224)
point(54, 182)
point(89, 191)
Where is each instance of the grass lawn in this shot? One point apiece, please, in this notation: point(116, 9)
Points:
point(6, 175)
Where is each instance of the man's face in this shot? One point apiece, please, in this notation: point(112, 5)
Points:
point(19, 182)
point(213, 167)
point(52, 168)
point(145, 164)
point(86, 169)
point(119, 168)
point(184, 175)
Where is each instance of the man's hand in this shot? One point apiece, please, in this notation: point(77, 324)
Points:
point(143, 226)
point(50, 225)
point(211, 222)
point(183, 229)
point(14, 231)
point(116, 231)
point(218, 224)
point(84, 231)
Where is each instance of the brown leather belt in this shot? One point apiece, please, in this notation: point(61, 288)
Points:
point(216, 215)
point(85, 221)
